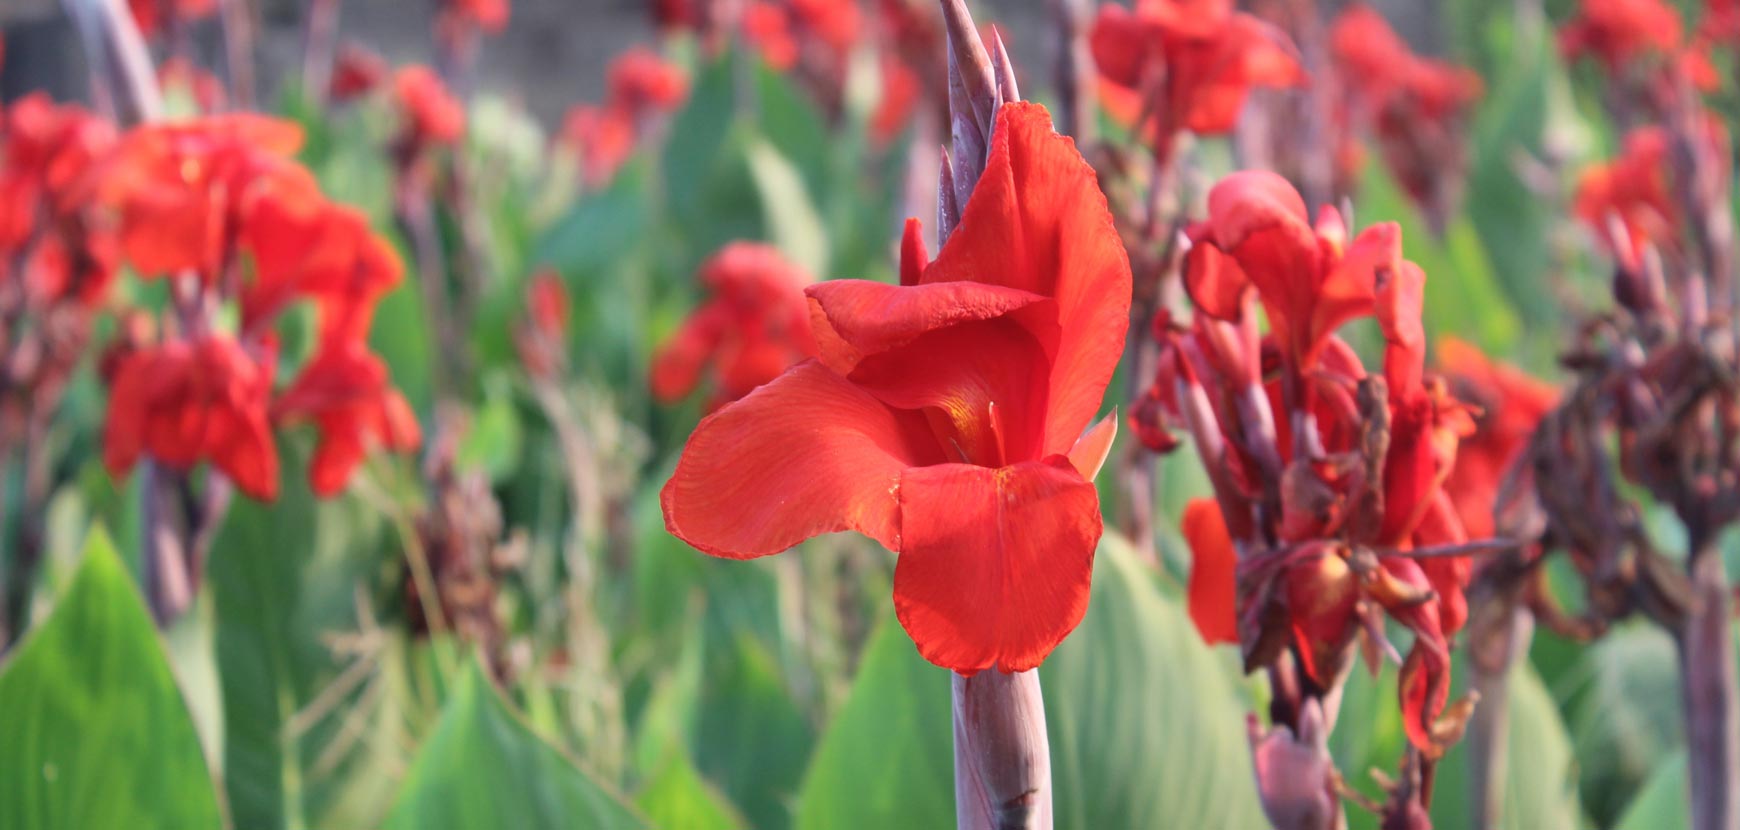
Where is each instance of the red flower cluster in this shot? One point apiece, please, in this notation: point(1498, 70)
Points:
point(355, 73)
point(432, 116)
point(1326, 478)
point(643, 86)
point(1415, 106)
point(753, 327)
point(944, 416)
point(218, 205)
point(1622, 34)
point(1629, 202)
point(484, 15)
point(52, 236)
point(1187, 64)
point(785, 31)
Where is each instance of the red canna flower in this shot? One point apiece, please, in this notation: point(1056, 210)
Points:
point(432, 115)
point(783, 30)
point(355, 73)
point(485, 15)
point(1310, 279)
point(185, 402)
point(1511, 404)
point(328, 254)
point(944, 416)
point(900, 94)
point(345, 392)
point(602, 137)
point(1325, 477)
point(542, 341)
point(50, 158)
point(1189, 63)
point(187, 190)
point(1621, 33)
point(754, 326)
point(1633, 188)
point(642, 82)
point(1415, 106)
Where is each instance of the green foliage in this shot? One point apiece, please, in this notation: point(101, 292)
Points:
point(483, 768)
point(95, 732)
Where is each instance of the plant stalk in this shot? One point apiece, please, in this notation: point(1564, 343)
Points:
point(1002, 758)
point(1707, 688)
point(1492, 651)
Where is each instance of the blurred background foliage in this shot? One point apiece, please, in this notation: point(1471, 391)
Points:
point(637, 683)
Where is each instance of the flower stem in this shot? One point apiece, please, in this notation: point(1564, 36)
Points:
point(1002, 760)
point(1707, 686)
point(1492, 651)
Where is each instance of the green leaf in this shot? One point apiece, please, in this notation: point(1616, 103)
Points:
point(1625, 717)
point(1147, 728)
point(285, 578)
point(677, 796)
point(1662, 801)
point(793, 224)
point(749, 735)
point(94, 728)
point(484, 768)
point(493, 443)
point(1540, 787)
point(887, 758)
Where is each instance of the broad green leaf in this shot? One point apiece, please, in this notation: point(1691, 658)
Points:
point(95, 730)
point(887, 758)
point(794, 125)
point(1662, 801)
point(482, 767)
point(677, 796)
point(749, 735)
point(1625, 716)
point(1147, 729)
point(1540, 789)
point(305, 739)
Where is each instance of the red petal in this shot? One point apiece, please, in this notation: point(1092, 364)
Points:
point(854, 319)
point(995, 564)
point(913, 257)
point(1120, 45)
point(1213, 569)
point(1037, 221)
point(804, 455)
point(1400, 302)
point(1215, 282)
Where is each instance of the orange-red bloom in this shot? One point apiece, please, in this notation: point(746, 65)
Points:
point(641, 82)
point(346, 393)
point(187, 190)
point(432, 115)
point(1633, 188)
point(186, 402)
point(486, 15)
point(642, 86)
point(50, 157)
point(1324, 478)
point(1621, 33)
point(753, 327)
point(1511, 404)
point(325, 253)
point(945, 416)
point(1190, 63)
point(783, 30)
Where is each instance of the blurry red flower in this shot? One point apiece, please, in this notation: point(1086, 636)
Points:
point(1511, 404)
point(153, 15)
point(1416, 106)
point(486, 15)
point(50, 158)
point(642, 82)
point(543, 339)
point(186, 190)
point(753, 326)
point(900, 94)
point(1189, 63)
point(432, 115)
point(345, 392)
point(185, 402)
point(1620, 33)
point(945, 416)
point(355, 73)
point(1634, 188)
point(326, 253)
point(783, 30)
point(602, 137)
